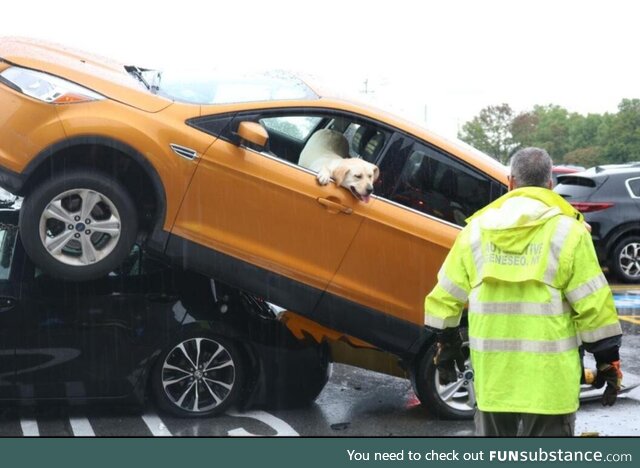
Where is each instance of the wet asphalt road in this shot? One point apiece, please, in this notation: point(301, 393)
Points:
point(355, 402)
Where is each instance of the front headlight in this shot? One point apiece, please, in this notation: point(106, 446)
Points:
point(47, 88)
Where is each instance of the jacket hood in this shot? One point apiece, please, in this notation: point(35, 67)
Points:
point(513, 220)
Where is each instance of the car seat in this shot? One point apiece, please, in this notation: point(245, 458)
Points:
point(321, 143)
point(367, 143)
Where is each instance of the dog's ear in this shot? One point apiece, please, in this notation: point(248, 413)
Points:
point(339, 173)
point(376, 173)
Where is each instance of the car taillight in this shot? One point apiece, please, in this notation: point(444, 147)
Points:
point(589, 207)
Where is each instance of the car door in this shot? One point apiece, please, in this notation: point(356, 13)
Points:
point(78, 339)
point(255, 220)
point(10, 270)
point(424, 196)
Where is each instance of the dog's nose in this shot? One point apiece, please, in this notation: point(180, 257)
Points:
point(369, 189)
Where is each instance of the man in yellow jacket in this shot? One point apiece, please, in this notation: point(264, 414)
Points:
point(527, 269)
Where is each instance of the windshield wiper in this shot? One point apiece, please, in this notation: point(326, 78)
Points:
point(139, 73)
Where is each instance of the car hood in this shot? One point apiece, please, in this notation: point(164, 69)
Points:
point(99, 74)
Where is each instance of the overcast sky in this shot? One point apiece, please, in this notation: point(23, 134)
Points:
point(434, 61)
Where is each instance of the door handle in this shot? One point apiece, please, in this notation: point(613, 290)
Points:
point(334, 207)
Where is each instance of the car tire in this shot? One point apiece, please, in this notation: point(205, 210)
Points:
point(185, 390)
point(625, 261)
point(451, 401)
point(78, 225)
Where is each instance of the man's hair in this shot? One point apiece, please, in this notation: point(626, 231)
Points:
point(531, 167)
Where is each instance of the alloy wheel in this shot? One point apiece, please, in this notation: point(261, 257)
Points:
point(629, 260)
point(80, 227)
point(198, 375)
point(458, 395)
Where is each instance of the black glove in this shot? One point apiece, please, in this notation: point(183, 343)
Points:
point(609, 373)
point(449, 353)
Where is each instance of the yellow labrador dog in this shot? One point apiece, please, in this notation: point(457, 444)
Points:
point(327, 153)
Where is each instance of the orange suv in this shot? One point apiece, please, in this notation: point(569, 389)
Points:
point(204, 170)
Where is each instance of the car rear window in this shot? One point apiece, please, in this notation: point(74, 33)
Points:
point(634, 187)
point(575, 187)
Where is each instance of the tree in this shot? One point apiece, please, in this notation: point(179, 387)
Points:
point(545, 127)
point(568, 137)
point(490, 131)
point(620, 138)
point(583, 131)
point(586, 157)
point(523, 128)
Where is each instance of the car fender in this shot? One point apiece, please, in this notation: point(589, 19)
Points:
point(157, 237)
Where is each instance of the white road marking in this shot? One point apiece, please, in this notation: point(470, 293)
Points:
point(282, 428)
point(156, 426)
point(29, 428)
point(81, 427)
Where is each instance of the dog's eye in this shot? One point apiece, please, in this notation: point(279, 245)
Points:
point(358, 176)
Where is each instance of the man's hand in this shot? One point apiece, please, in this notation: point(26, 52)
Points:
point(611, 375)
point(449, 353)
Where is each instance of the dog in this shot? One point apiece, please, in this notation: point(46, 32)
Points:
point(327, 153)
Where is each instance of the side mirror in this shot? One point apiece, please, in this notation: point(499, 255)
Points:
point(253, 133)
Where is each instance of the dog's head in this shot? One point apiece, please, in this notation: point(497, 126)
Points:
point(358, 176)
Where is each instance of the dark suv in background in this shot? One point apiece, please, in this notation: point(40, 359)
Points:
point(609, 198)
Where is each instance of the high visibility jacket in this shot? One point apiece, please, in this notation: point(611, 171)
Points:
point(527, 268)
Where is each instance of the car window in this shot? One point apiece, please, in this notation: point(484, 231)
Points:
point(138, 263)
point(298, 127)
point(575, 187)
point(199, 87)
point(7, 244)
point(428, 180)
point(634, 187)
point(365, 141)
point(289, 133)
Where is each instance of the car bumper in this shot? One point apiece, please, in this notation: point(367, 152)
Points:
point(11, 181)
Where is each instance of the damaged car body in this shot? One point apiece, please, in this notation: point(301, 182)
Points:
point(107, 156)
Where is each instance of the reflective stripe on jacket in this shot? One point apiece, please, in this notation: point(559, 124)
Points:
point(528, 270)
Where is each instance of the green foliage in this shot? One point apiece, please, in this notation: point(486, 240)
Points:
point(491, 131)
point(569, 138)
point(545, 127)
point(621, 137)
point(586, 157)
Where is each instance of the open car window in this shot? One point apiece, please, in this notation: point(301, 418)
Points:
point(296, 127)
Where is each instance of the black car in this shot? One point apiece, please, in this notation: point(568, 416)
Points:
point(609, 197)
point(196, 345)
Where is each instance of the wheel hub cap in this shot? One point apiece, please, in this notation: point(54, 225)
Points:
point(458, 395)
point(629, 260)
point(198, 375)
point(80, 227)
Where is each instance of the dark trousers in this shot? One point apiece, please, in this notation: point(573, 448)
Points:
point(524, 424)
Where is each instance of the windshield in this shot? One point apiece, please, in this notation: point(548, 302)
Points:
point(216, 88)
